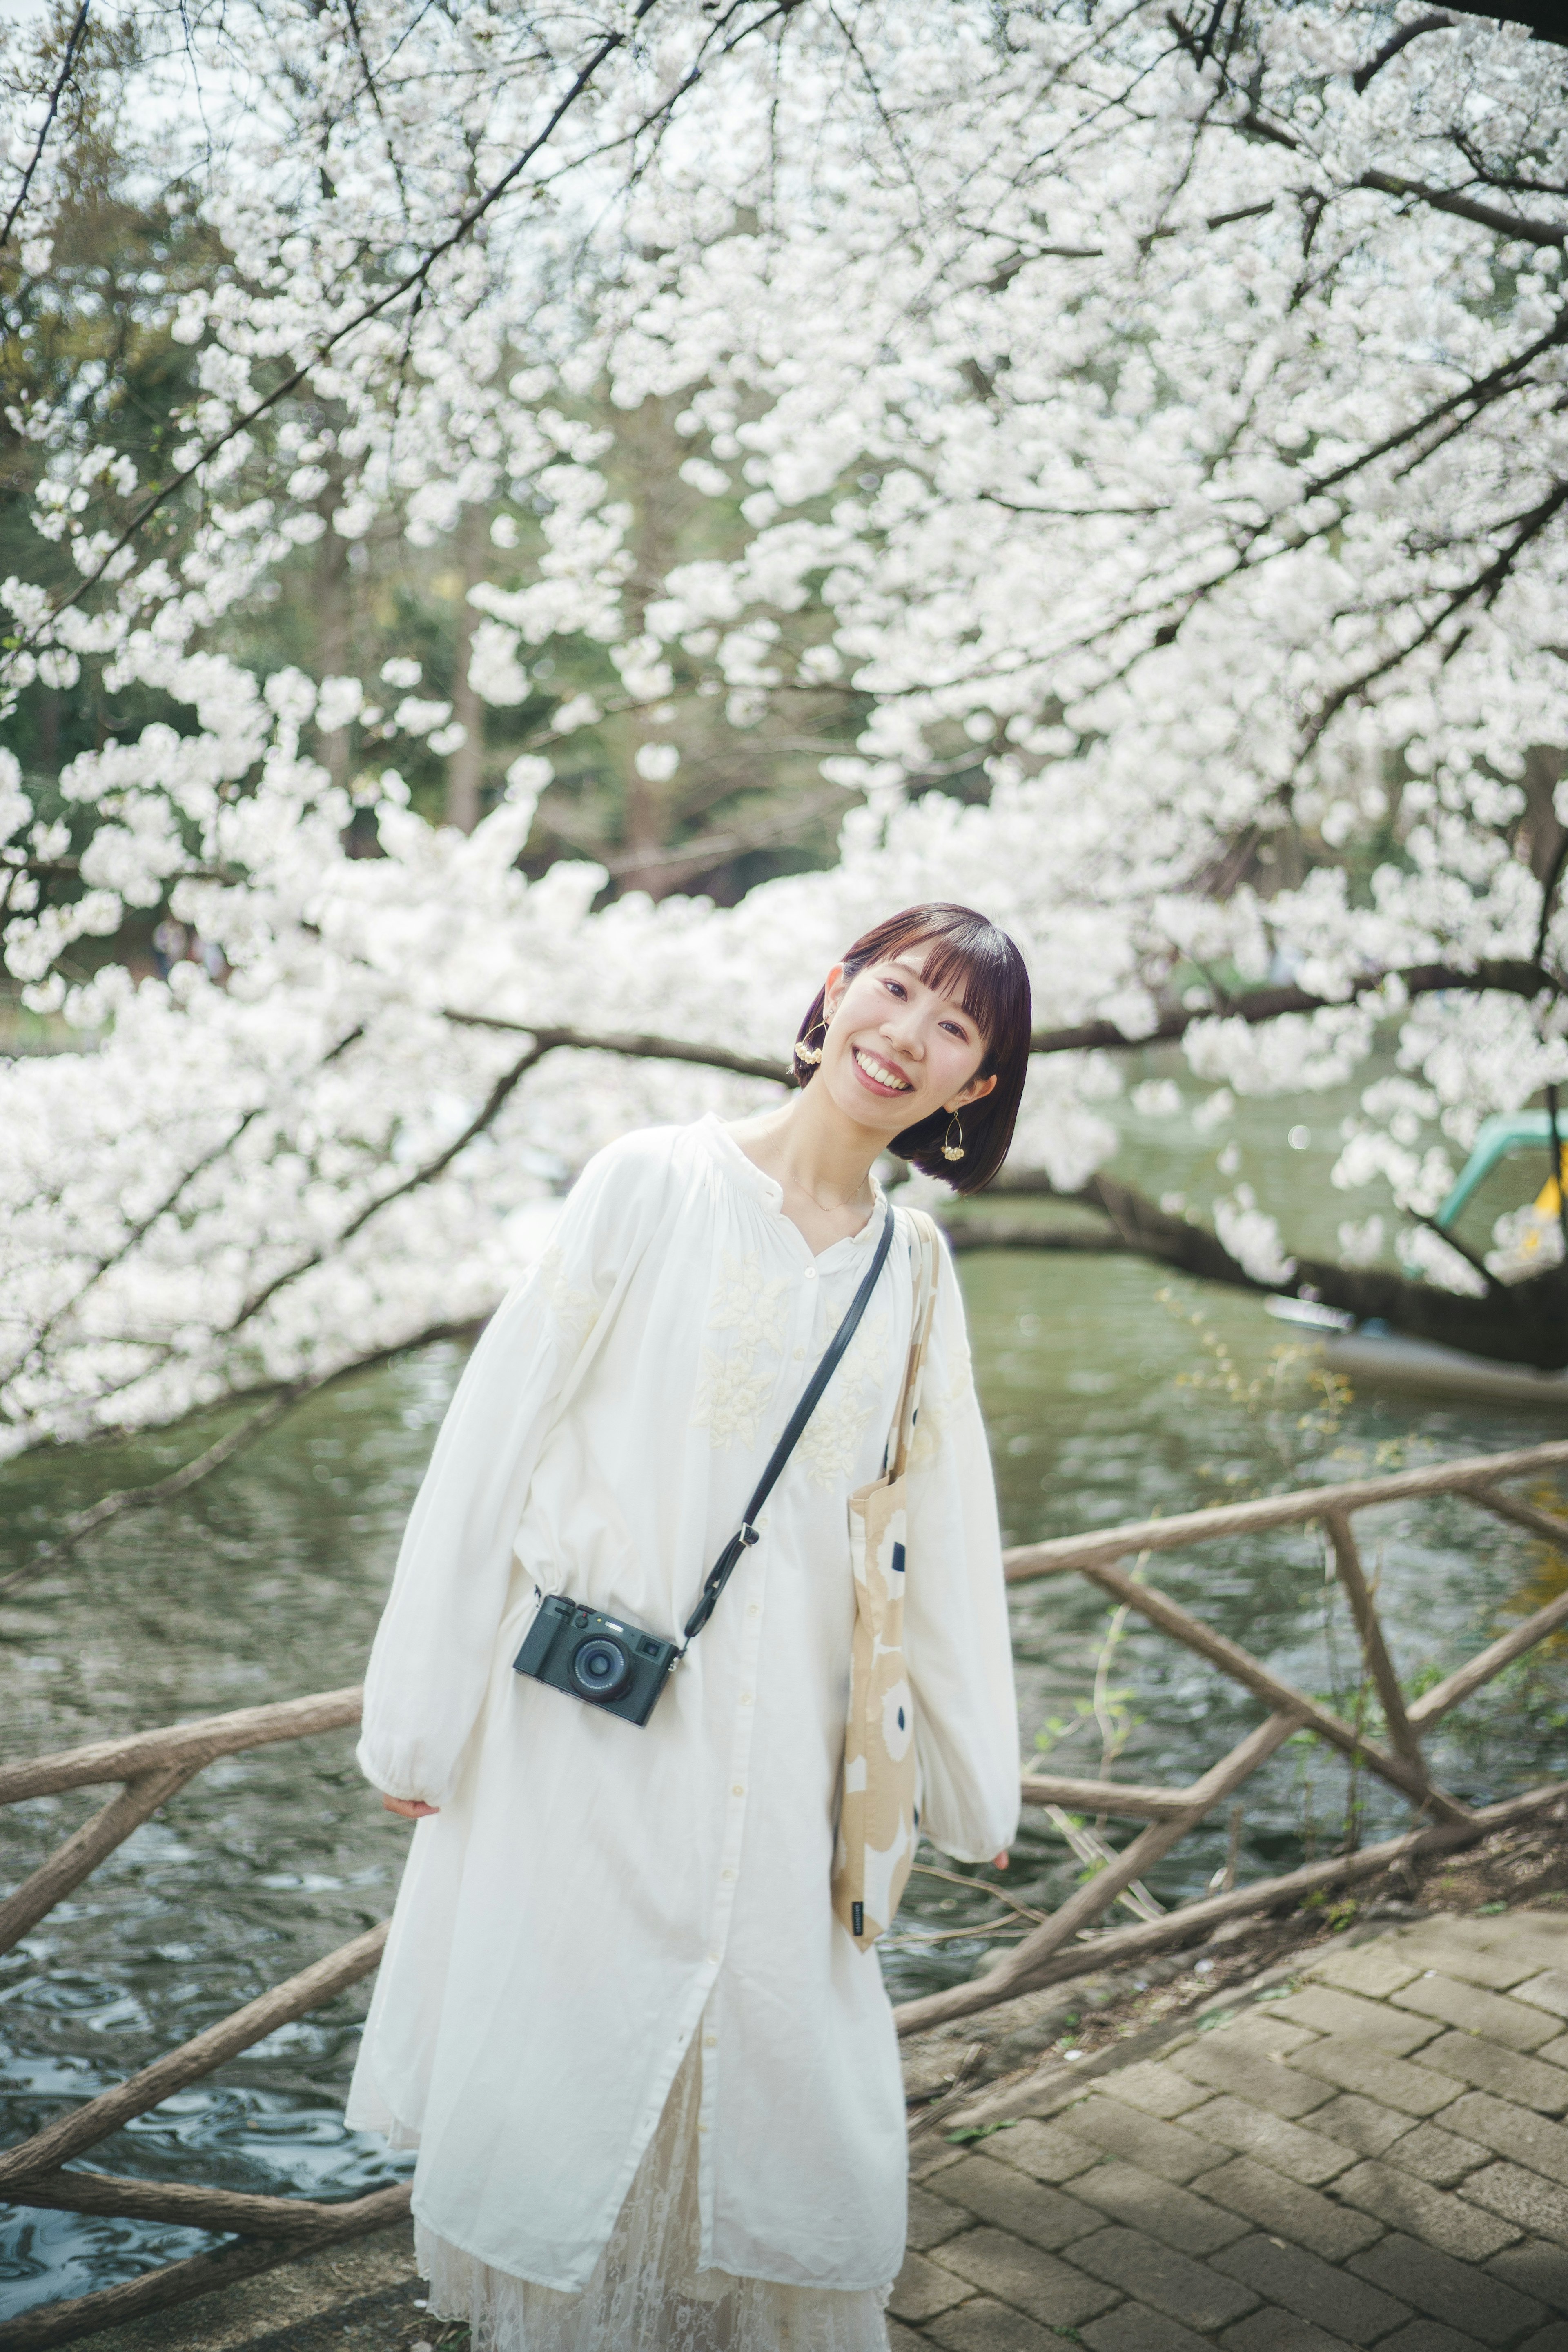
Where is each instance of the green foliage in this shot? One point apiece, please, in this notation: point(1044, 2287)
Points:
point(1339, 1911)
point(1115, 1708)
point(1295, 1405)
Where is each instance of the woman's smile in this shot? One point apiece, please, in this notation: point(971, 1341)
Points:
point(881, 1077)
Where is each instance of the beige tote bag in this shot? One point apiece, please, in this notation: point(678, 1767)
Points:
point(876, 1820)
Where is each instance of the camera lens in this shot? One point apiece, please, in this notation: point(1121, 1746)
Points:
point(600, 1667)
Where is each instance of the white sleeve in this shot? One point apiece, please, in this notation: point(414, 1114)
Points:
point(431, 1658)
point(957, 1642)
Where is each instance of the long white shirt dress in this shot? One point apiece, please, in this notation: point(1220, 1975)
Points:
point(610, 1933)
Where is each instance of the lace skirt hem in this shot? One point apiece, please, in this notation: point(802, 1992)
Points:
point(646, 2293)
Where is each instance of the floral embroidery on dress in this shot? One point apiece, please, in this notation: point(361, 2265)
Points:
point(735, 1383)
point(576, 1311)
point(731, 1398)
point(832, 1437)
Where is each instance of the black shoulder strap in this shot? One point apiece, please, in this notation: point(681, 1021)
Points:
point(718, 1575)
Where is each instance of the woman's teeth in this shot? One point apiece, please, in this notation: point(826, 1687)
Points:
point(880, 1073)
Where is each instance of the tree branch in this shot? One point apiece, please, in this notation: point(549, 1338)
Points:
point(191, 1474)
point(984, 1232)
point(1485, 587)
point(1509, 977)
point(1476, 1264)
point(636, 1048)
point(1445, 200)
point(1516, 1323)
point(498, 1094)
point(1252, 125)
point(1549, 889)
point(1021, 255)
point(73, 43)
point(1477, 394)
point(1434, 22)
point(681, 862)
point(545, 1041)
point(412, 281)
point(140, 1228)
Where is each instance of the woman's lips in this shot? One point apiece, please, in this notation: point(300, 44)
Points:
point(875, 1085)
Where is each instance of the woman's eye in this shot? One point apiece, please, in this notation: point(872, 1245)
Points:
point(894, 987)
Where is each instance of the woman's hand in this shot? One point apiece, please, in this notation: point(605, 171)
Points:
point(411, 1809)
point(1000, 1863)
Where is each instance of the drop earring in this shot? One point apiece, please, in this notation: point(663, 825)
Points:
point(811, 1053)
point(950, 1150)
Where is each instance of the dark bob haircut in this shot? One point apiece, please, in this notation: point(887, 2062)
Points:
point(969, 958)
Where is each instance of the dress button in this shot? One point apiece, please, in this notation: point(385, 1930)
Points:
point(737, 1791)
point(745, 1699)
point(810, 1274)
point(726, 1873)
point(753, 1608)
point(714, 1957)
point(711, 2042)
point(800, 1354)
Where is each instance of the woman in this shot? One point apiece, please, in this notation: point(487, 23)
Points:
point(653, 2082)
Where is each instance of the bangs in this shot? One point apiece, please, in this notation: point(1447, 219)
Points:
point(966, 958)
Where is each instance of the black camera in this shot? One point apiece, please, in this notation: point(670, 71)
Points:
point(601, 1659)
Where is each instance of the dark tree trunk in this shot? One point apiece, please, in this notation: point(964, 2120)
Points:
point(465, 766)
point(335, 630)
point(653, 810)
point(1542, 827)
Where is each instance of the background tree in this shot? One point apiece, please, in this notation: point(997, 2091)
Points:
point(1143, 438)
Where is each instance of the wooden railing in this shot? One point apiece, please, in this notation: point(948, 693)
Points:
point(154, 1765)
point(1052, 1952)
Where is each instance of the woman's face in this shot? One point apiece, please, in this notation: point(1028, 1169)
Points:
point(895, 1049)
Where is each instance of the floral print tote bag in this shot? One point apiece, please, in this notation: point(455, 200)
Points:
point(878, 1821)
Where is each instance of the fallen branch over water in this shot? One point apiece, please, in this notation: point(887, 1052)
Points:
point(64, 2323)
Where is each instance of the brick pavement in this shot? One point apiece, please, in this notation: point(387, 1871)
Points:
point(1373, 2152)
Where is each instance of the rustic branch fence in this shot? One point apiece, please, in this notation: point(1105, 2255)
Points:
point(153, 1765)
point(1052, 1951)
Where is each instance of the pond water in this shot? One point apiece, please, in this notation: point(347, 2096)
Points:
point(1111, 1393)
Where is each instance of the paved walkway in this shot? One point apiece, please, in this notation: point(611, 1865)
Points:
point(1367, 2153)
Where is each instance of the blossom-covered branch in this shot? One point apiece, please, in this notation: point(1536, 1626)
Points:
point(1518, 977)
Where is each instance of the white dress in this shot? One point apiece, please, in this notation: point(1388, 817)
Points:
point(609, 1933)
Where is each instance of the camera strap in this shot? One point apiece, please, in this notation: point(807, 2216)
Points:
point(723, 1568)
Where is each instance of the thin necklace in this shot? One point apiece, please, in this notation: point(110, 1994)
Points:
point(835, 1208)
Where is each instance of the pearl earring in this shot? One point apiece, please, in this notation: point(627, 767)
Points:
point(811, 1053)
point(950, 1150)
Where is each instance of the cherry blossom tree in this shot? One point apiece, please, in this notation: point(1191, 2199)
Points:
point(1156, 417)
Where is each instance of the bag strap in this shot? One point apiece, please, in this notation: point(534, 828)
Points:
point(723, 1568)
point(920, 1320)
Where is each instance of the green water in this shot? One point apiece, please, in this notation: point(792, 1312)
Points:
point(266, 1583)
